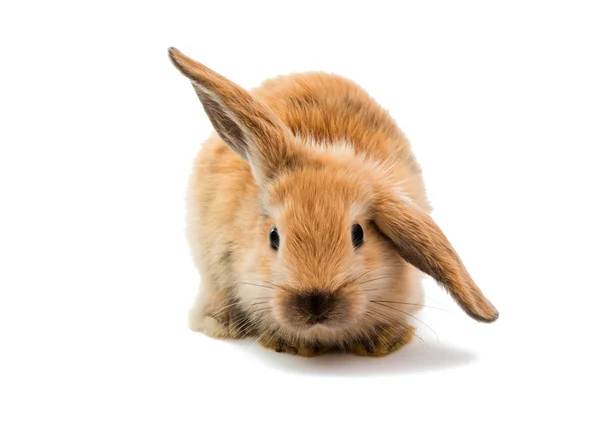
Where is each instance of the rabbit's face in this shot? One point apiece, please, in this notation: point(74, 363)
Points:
point(322, 259)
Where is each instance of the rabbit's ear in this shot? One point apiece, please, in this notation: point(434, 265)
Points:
point(423, 244)
point(248, 126)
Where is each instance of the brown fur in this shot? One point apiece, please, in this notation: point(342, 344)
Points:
point(311, 154)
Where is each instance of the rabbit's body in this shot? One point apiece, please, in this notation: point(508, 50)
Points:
point(311, 159)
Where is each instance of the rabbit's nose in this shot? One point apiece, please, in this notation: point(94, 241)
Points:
point(315, 305)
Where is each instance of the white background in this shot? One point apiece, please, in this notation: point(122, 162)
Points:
point(501, 103)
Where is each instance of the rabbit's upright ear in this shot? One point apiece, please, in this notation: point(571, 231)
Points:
point(423, 244)
point(248, 126)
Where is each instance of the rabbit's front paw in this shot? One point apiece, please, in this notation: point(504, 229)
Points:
point(218, 317)
point(278, 344)
point(383, 341)
point(208, 325)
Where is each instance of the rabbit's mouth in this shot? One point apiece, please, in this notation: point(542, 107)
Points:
point(306, 310)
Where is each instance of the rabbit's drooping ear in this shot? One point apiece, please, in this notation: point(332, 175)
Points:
point(248, 126)
point(423, 244)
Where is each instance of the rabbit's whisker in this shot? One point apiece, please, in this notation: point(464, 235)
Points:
point(258, 285)
point(410, 315)
point(410, 304)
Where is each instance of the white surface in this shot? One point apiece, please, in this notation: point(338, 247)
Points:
point(97, 136)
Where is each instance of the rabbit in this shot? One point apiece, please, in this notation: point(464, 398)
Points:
point(308, 220)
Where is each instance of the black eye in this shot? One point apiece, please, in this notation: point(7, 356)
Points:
point(274, 238)
point(357, 235)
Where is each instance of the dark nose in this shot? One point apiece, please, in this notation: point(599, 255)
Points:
point(315, 306)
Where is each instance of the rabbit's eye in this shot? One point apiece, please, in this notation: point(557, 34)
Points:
point(274, 238)
point(357, 235)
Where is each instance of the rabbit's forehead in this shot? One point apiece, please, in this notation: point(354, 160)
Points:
point(311, 193)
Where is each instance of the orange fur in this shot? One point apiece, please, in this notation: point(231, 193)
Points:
point(311, 154)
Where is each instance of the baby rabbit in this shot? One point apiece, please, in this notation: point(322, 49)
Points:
point(308, 219)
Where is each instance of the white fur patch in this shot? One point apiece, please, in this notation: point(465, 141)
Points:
point(401, 193)
point(334, 147)
point(356, 210)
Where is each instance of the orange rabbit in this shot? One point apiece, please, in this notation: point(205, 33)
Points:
point(308, 219)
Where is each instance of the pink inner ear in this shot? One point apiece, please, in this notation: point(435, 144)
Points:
point(248, 126)
point(229, 131)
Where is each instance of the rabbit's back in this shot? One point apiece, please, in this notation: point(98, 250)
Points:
point(327, 108)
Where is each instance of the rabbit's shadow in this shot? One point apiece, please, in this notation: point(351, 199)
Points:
point(411, 359)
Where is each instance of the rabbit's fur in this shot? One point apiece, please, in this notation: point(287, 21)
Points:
point(311, 155)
